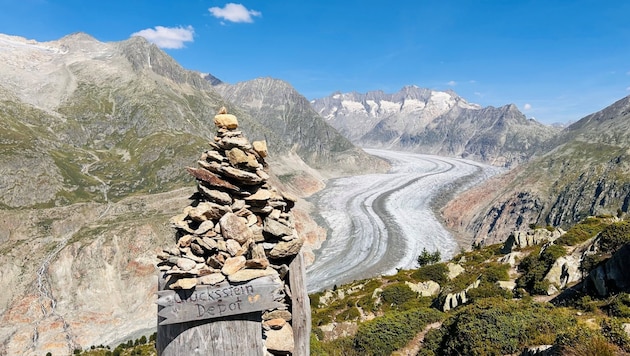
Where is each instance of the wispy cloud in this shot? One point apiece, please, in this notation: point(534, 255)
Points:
point(234, 13)
point(167, 37)
point(452, 83)
point(527, 106)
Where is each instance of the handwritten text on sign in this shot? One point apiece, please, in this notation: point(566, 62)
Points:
point(206, 302)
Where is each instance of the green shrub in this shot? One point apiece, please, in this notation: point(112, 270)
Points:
point(581, 232)
point(614, 236)
point(437, 272)
point(488, 290)
point(578, 340)
point(620, 306)
point(397, 294)
point(494, 272)
point(494, 326)
point(536, 266)
point(613, 331)
point(384, 335)
point(366, 302)
point(351, 313)
point(595, 345)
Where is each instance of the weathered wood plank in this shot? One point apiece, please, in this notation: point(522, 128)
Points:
point(235, 335)
point(301, 307)
point(207, 302)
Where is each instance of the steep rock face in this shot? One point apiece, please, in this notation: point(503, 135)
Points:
point(82, 274)
point(586, 173)
point(278, 106)
point(435, 122)
point(612, 276)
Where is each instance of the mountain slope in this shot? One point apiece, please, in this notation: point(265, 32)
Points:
point(586, 172)
point(435, 122)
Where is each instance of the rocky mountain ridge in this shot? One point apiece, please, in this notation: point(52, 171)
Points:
point(585, 172)
point(435, 122)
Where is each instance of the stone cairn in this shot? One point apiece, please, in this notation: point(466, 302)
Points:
point(237, 228)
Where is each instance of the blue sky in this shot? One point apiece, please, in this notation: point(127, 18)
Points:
point(556, 60)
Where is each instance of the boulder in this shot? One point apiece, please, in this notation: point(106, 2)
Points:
point(454, 270)
point(565, 270)
point(227, 121)
point(425, 289)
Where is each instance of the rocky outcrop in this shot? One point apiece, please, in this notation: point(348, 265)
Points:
point(522, 239)
point(564, 271)
point(454, 270)
point(425, 289)
point(453, 300)
point(612, 276)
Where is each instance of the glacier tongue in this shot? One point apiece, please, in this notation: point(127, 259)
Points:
point(381, 222)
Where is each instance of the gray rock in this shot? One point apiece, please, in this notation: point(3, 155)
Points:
point(286, 249)
point(276, 228)
point(211, 279)
point(214, 195)
point(234, 227)
point(280, 341)
point(454, 270)
point(185, 264)
point(425, 289)
point(565, 270)
point(245, 275)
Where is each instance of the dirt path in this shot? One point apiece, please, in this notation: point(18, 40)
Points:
point(414, 345)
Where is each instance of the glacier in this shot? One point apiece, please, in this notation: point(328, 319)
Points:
point(378, 223)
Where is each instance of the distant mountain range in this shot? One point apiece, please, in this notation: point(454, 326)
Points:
point(435, 122)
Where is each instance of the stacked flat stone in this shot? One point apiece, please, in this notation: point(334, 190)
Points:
point(237, 228)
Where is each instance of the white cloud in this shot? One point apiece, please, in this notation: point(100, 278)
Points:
point(234, 13)
point(167, 37)
point(628, 88)
point(452, 83)
point(527, 106)
point(472, 81)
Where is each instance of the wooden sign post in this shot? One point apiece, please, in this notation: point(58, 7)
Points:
point(209, 302)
